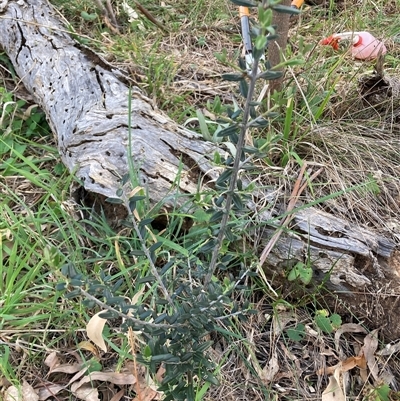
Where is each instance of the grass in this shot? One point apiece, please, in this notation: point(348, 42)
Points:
point(42, 229)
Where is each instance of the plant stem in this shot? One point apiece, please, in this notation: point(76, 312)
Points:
point(235, 173)
point(124, 315)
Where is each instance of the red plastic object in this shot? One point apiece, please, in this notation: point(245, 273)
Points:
point(332, 41)
point(365, 46)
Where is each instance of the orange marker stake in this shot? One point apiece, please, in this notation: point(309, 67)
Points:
point(297, 3)
point(244, 21)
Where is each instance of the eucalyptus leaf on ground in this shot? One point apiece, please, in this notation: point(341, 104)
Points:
point(94, 330)
point(23, 393)
point(333, 392)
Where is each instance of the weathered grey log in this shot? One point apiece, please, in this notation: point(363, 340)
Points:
point(325, 241)
point(87, 105)
point(86, 102)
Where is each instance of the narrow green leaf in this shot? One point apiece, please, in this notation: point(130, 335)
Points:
point(225, 176)
point(253, 112)
point(230, 236)
point(132, 206)
point(220, 200)
point(72, 294)
point(145, 315)
point(147, 279)
point(145, 222)
point(236, 114)
point(161, 318)
point(172, 245)
point(211, 379)
point(228, 131)
point(203, 346)
point(155, 246)
point(250, 150)
point(114, 201)
point(242, 63)
point(237, 201)
point(270, 75)
point(61, 286)
point(203, 126)
point(136, 252)
point(293, 62)
point(208, 246)
point(136, 198)
point(244, 3)
point(260, 42)
point(232, 77)
point(244, 88)
point(167, 358)
point(259, 123)
point(216, 217)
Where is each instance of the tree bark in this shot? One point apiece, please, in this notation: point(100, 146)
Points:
point(276, 47)
point(94, 114)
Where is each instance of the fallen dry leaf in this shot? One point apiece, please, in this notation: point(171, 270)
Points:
point(390, 349)
point(147, 394)
point(369, 348)
point(328, 370)
point(333, 392)
point(52, 360)
point(13, 394)
point(347, 328)
point(25, 393)
point(86, 382)
point(344, 366)
point(67, 368)
point(270, 369)
point(94, 330)
point(280, 321)
point(86, 393)
point(111, 377)
point(78, 375)
point(88, 346)
point(354, 361)
point(50, 391)
point(364, 371)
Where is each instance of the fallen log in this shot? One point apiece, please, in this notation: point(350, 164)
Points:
point(101, 120)
point(86, 102)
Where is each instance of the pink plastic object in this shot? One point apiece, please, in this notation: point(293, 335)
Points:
point(365, 46)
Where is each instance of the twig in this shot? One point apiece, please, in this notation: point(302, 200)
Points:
point(123, 315)
point(108, 15)
point(294, 197)
point(132, 344)
point(111, 14)
point(147, 14)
